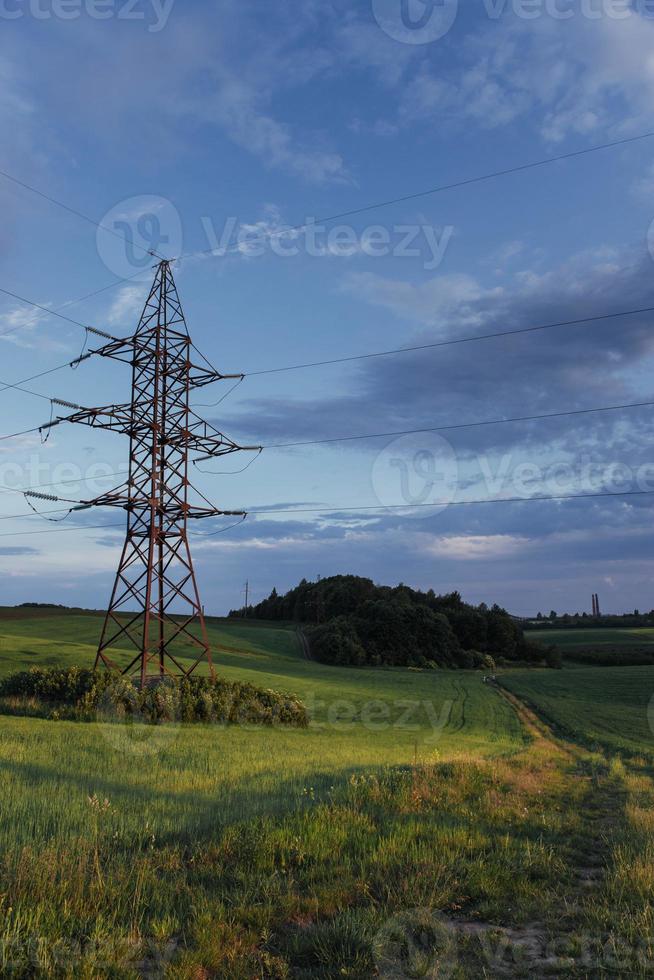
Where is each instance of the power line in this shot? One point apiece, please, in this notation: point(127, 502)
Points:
point(72, 302)
point(33, 377)
point(24, 432)
point(371, 507)
point(356, 357)
point(28, 391)
point(353, 438)
point(481, 178)
point(59, 530)
point(37, 306)
point(63, 483)
point(78, 214)
point(463, 425)
point(458, 340)
point(455, 503)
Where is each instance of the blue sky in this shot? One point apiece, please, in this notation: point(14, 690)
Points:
point(181, 125)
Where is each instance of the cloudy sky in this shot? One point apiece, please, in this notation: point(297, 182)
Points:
point(206, 130)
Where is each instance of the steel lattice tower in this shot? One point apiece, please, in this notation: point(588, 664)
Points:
point(155, 603)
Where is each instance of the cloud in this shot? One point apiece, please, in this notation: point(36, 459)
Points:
point(566, 77)
point(17, 324)
point(529, 374)
point(236, 106)
point(472, 547)
point(127, 304)
point(226, 67)
point(447, 296)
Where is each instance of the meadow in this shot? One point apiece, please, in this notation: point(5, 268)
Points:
point(425, 824)
point(601, 636)
point(602, 646)
point(608, 707)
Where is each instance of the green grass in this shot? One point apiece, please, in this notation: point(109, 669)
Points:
point(360, 719)
point(452, 708)
point(606, 705)
point(609, 636)
point(601, 647)
point(283, 854)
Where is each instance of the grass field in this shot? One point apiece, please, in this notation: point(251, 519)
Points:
point(611, 706)
point(619, 647)
point(609, 636)
point(198, 852)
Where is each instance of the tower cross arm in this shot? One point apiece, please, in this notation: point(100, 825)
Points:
point(200, 378)
point(198, 513)
point(117, 418)
point(202, 437)
point(126, 349)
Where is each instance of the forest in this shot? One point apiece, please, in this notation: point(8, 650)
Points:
point(351, 620)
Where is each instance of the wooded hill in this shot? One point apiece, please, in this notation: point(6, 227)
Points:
point(350, 620)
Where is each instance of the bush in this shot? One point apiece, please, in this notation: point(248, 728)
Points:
point(553, 658)
point(84, 694)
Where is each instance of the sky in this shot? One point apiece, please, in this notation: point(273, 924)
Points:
point(207, 130)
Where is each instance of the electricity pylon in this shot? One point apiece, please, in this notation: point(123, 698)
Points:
point(155, 602)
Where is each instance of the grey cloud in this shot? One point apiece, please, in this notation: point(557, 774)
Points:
point(568, 368)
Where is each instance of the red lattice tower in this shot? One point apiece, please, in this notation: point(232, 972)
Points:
point(155, 604)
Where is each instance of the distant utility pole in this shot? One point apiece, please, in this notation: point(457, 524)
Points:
point(155, 605)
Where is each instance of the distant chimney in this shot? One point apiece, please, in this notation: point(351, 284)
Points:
point(597, 608)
